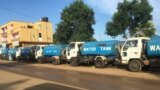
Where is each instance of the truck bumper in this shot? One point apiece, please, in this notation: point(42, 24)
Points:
point(124, 62)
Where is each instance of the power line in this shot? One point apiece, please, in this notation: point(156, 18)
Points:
point(16, 12)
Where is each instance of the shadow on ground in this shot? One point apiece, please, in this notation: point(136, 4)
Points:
point(8, 86)
point(49, 86)
point(12, 64)
point(15, 63)
point(154, 70)
point(44, 86)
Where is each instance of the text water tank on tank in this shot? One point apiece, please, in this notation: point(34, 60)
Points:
point(105, 48)
point(53, 50)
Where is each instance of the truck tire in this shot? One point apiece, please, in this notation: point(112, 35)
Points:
point(74, 62)
point(99, 63)
point(40, 60)
point(18, 59)
point(135, 66)
point(56, 62)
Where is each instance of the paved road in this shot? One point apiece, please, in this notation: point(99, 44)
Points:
point(79, 79)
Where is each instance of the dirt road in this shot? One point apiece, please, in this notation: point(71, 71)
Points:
point(91, 78)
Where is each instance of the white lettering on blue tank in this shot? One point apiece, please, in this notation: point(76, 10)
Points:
point(105, 48)
point(50, 51)
point(54, 51)
point(89, 49)
point(155, 47)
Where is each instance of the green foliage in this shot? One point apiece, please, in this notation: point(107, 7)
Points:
point(131, 15)
point(76, 23)
point(55, 38)
point(146, 29)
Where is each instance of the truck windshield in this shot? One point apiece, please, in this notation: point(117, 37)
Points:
point(37, 48)
point(129, 44)
point(0, 46)
point(71, 46)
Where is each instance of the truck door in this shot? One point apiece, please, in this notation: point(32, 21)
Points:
point(130, 50)
point(71, 51)
point(18, 52)
point(38, 51)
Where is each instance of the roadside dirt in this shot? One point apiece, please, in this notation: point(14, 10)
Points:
point(12, 81)
point(106, 71)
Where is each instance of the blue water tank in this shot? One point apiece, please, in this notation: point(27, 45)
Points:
point(12, 51)
point(104, 48)
point(53, 50)
point(4, 51)
point(27, 51)
point(153, 48)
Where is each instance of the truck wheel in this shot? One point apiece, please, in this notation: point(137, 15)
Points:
point(74, 62)
point(99, 63)
point(40, 60)
point(135, 66)
point(56, 62)
point(18, 59)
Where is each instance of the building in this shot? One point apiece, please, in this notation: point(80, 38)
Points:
point(15, 33)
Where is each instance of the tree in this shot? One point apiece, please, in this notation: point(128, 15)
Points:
point(76, 23)
point(132, 16)
point(146, 29)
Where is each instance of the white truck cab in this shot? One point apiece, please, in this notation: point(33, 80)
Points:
point(18, 53)
point(0, 51)
point(131, 52)
point(39, 51)
point(73, 49)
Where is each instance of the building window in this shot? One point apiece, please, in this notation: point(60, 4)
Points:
point(40, 35)
point(5, 28)
point(29, 26)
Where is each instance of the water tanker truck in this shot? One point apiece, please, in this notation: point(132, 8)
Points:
point(27, 54)
point(89, 51)
point(136, 53)
point(51, 53)
point(12, 52)
point(15, 53)
point(4, 53)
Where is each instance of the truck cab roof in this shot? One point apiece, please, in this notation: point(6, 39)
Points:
point(139, 38)
point(77, 42)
